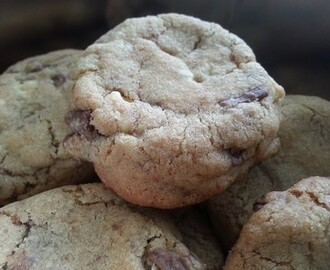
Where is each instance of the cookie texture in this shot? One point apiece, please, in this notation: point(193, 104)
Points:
point(305, 151)
point(35, 94)
point(89, 227)
point(290, 230)
point(172, 109)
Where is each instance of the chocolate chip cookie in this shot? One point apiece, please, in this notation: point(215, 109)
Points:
point(172, 109)
point(289, 230)
point(88, 227)
point(35, 94)
point(304, 151)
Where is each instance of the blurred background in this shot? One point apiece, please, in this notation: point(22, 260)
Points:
point(291, 39)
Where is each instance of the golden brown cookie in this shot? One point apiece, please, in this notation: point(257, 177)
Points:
point(289, 230)
point(35, 94)
point(89, 227)
point(305, 151)
point(172, 109)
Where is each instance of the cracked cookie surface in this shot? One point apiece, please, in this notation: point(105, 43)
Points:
point(89, 227)
point(305, 151)
point(35, 94)
point(289, 230)
point(175, 109)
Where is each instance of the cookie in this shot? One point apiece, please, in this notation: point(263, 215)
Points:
point(289, 230)
point(35, 94)
point(304, 151)
point(88, 227)
point(172, 109)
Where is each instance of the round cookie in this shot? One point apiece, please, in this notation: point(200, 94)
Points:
point(305, 151)
point(172, 109)
point(35, 94)
point(290, 230)
point(88, 227)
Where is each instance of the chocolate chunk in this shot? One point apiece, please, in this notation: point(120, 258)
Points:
point(169, 260)
point(79, 122)
point(257, 93)
point(58, 80)
point(15, 220)
point(236, 155)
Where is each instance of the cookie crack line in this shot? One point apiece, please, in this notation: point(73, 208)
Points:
point(146, 248)
point(51, 132)
point(315, 199)
point(314, 112)
point(79, 202)
point(312, 197)
point(3, 160)
point(34, 174)
point(277, 263)
point(16, 221)
point(25, 235)
point(78, 192)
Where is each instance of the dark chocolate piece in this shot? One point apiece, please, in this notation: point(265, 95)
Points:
point(170, 260)
point(58, 80)
point(257, 93)
point(79, 122)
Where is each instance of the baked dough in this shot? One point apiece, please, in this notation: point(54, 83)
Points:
point(35, 95)
point(172, 109)
point(304, 151)
point(89, 227)
point(289, 230)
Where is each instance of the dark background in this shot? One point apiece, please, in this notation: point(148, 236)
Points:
point(291, 39)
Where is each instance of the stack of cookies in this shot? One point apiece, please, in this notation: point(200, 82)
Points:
point(99, 148)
